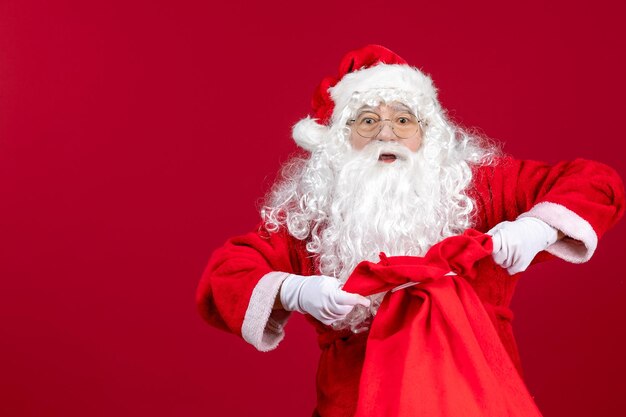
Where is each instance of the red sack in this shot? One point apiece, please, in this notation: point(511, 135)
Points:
point(432, 349)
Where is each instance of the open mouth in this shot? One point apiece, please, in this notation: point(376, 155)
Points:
point(387, 158)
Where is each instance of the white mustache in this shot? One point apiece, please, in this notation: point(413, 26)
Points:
point(375, 149)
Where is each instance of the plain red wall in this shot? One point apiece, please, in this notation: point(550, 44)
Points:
point(135, 137)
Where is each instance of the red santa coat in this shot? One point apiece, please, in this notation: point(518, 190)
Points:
point(581, 198)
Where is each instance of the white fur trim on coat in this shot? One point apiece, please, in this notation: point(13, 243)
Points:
point(382, 76)
point(580, 239)
point(262, 327)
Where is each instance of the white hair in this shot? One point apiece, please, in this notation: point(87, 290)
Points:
point(349, 207)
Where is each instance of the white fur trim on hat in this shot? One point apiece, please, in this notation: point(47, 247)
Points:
point(382, 76)
point(309, 134)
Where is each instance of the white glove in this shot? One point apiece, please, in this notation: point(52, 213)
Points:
point(319, 296)
point(516, 243)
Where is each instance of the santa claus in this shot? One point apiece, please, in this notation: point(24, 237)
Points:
point(387, 172)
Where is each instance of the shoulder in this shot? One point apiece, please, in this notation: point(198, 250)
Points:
point(494, 169)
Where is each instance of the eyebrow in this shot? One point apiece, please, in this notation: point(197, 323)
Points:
point(395, 107)
point(400, 106)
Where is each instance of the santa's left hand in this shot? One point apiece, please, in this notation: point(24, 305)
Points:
point(516, 243)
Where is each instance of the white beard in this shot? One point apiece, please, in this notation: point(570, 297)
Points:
point(376, 207)
point(396, 208)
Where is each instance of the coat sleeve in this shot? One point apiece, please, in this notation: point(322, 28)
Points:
point(581, 198)
point(241, 281)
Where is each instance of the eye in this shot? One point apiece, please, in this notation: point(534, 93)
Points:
point(404, 118)
point(368, 121)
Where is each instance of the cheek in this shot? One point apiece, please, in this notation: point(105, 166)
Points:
point(417, 140)
point(358, 142)
point(414, 143)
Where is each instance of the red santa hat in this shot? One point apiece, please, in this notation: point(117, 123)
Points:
point(372, 67)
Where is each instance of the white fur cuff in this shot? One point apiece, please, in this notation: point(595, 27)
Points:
point(262, 327)
point(580, 239)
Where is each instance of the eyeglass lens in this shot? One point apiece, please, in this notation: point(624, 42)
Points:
point(403, 124)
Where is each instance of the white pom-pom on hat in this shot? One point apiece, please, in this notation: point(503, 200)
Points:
point(309, 134)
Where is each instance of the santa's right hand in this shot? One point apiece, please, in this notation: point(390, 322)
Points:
point(319, 296)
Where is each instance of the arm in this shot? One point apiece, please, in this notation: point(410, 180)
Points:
point(240, 284)
point(581, 199)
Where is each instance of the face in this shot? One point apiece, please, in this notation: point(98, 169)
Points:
point(386, 123)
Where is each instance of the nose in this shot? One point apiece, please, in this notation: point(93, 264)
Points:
point(386, 132)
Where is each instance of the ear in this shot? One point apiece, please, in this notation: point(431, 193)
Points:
point(309, 134)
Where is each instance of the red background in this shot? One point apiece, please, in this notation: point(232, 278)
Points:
point(135, 137)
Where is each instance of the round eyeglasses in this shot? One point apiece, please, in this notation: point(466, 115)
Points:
point(369, 124)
